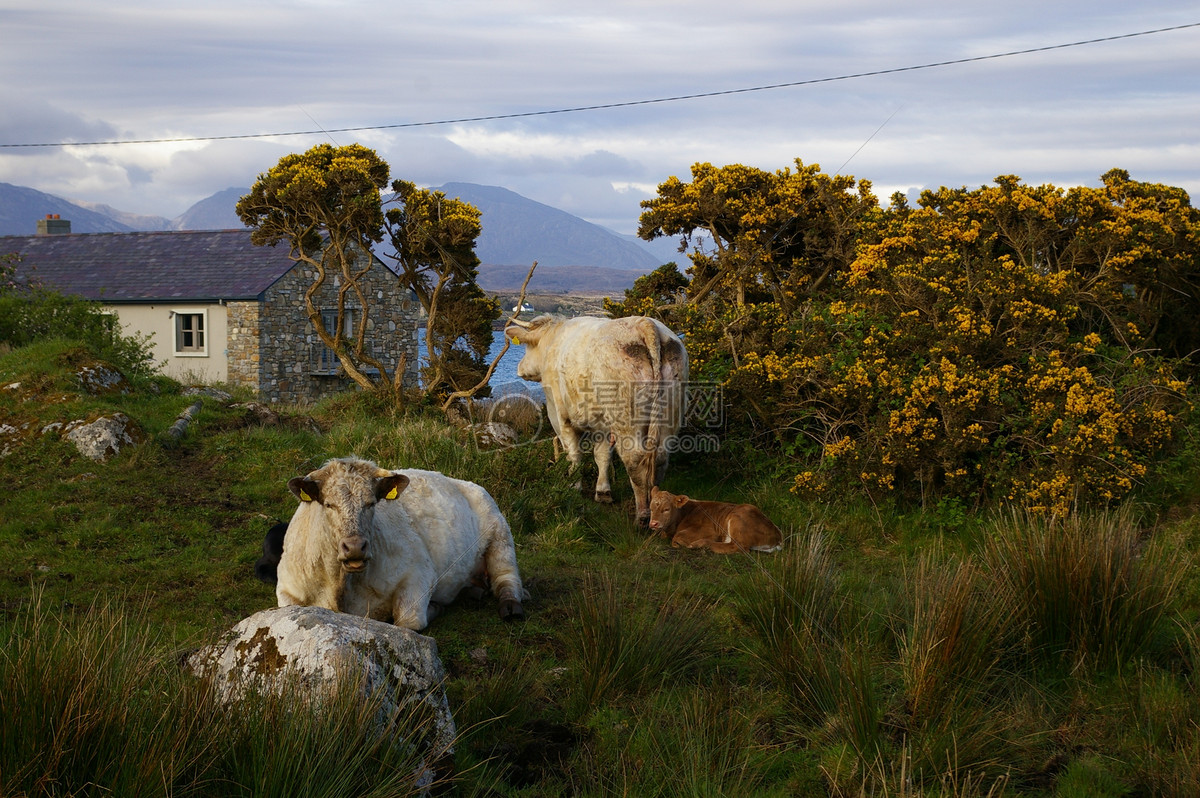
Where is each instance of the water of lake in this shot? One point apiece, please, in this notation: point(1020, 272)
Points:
point(504, 378)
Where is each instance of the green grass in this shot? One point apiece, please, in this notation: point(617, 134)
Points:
point(882, 652)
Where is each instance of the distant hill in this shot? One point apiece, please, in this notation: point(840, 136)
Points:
point(664, 250)
point(518, 231)
point(21, 207)
point(133, 221)
point(214, 213)
point(497, 279)
point(572, 253)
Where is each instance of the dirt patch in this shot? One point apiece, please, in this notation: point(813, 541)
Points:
point(185, 478)
point(537, 749)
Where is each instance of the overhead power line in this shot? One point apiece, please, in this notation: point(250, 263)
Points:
point(625, 104)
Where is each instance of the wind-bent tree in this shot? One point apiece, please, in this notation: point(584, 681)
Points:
point(434, 240)
point(325, 205)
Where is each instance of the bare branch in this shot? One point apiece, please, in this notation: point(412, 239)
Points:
point(496, 360)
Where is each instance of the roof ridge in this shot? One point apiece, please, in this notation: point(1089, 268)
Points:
point(128, 233)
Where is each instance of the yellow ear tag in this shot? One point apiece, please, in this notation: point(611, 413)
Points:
point(304, 497)
point(391, 494)
point(516, 340)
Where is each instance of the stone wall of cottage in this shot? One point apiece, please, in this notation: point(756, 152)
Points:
point(288, 344)
point(243, 336)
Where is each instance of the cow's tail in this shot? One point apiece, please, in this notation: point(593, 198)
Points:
point(654, 421)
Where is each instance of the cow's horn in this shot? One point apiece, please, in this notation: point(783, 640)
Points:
point(520, 323)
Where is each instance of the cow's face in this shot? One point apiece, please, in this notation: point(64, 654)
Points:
point(530, 365)
point(665, 510)
point(347, 497)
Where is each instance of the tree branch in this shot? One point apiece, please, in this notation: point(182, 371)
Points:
point(496, 360)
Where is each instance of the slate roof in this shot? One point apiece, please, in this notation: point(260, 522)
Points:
point(178, 265)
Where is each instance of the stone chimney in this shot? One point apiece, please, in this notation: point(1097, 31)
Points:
point(53, 226)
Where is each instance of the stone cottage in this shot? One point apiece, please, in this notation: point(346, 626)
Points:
point(219, 308)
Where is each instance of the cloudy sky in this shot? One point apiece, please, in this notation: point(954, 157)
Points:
point(82, 71)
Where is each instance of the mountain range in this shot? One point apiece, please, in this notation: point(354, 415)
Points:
point(573, 255)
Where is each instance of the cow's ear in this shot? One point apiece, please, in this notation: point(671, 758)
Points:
point(526, 336)
point(305, 489)
point(681, 500)
point(514, 333)
point(391, 486)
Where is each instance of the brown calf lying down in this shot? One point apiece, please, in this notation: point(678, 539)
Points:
point(720, 526)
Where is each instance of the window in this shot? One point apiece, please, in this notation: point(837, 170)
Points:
point(324, 361)
point(110, 325)
point(190, 333)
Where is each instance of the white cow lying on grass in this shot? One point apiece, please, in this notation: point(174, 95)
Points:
point(394, 545)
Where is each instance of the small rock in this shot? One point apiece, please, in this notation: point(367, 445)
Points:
point(493, 435)
point(263, 414)
point(99, 379)
point(479, 656)
point(105, 437)
point(318, 647)
point(212, 393)
point(8, 439)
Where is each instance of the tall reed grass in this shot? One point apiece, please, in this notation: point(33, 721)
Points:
point(703, 744)
point(951, 692)
point(795, 609)
point(618, 649)
point(893, 776)
point(957, 633)
point(95, 704)
point(1087, 589)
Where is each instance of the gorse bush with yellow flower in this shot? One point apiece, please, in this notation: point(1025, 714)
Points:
point(1012, 342)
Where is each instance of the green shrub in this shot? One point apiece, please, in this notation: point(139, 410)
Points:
point(39, 314)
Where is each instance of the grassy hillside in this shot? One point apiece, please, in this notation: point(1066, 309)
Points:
point(880, 653)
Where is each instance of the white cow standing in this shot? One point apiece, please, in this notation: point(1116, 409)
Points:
point(394, 545)
point(609, 381)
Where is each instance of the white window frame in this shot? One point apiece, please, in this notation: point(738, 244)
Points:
point(178, 332)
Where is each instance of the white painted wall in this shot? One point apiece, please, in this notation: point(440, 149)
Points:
point(209, 366)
